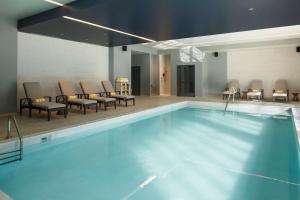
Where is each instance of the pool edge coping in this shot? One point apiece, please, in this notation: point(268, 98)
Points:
point(37, 138)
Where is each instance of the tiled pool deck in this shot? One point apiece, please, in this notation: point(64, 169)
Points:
point(38, 124)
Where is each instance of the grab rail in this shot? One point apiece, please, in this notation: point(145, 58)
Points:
point(228, 98)
point(11, 154)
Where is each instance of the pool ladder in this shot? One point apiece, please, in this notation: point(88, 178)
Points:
point(15, 155)
point(228, 99)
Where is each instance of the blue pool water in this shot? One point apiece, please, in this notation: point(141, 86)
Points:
point(185, 154)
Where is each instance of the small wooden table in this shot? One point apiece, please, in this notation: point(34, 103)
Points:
point(295, 96)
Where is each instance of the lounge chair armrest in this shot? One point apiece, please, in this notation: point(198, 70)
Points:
point(49, 98)
point(23, 101)
point(86, 96)
point(102, 94)
point(62, 99)
point(80, 95)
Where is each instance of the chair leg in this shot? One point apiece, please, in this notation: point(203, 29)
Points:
point(96, 107)
point(126, 102)
point(84, 109)
point(30, 112)
point(49, 115)
point(134, 102)
point(115, 104)
point(105, 106)
point(65, 113)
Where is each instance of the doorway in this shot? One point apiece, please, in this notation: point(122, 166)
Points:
point(186, 80)
point(136, 80)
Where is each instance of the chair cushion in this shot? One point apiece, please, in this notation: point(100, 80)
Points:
point(103, 99)
point(253, 93)
point(32, 90)
point(280, 94)
point(229, 92)
point(123, 96)
point(82, 101)
point(48, 105)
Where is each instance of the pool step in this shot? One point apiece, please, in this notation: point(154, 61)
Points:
point(10, 156)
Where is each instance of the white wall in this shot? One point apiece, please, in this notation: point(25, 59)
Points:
point(267, 64)
point(48, 60)
point(120, 62)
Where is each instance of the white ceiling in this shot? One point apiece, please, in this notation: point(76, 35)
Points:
point(18, 9)
point(255, 36)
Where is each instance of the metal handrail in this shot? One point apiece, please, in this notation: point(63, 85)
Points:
point(13, 118)
point(228, 99)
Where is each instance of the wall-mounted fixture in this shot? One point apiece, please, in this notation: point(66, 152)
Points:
point(124, 48)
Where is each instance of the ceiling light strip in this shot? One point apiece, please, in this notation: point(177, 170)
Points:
point(107, 28)
point(54, 2)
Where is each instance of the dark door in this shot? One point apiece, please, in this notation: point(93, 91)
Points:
point(186, 80)
point(136, 80)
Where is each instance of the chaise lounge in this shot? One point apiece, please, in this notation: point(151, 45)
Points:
point(35, 100)
point(256, 90)
point(69, 97)
point(281, 90)
point(112, 93)
point(92, 94)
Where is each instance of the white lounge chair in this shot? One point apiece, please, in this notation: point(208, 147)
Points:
point(281, 90)
point(256, 90)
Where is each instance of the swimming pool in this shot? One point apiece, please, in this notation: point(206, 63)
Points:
point(189, 153)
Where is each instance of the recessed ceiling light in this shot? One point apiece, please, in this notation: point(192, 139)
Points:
point(54, 2)
point(251, 9)
point(107, 28)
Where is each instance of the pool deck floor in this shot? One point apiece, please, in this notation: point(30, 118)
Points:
point(38, 123)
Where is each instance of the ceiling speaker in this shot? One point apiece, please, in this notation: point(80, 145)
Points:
point(216, 54)
point(124, 48)
point(298, 49)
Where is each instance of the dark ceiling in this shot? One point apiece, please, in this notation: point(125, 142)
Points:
point(160, 19)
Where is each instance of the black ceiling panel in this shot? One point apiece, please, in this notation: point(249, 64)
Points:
point(160, 19)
